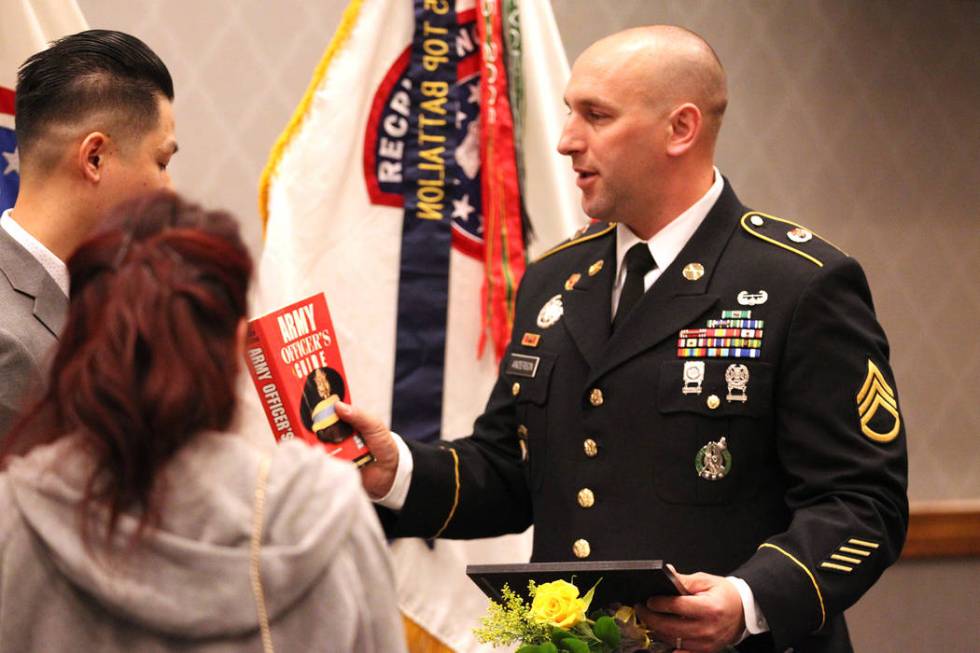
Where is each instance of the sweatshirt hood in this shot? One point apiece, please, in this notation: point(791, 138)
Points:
point(190, 575)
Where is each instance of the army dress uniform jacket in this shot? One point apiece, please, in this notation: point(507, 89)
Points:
point(785, 467)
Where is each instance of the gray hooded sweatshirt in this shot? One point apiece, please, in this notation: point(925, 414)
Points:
point(326, 576)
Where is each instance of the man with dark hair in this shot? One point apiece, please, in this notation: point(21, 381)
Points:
point(94, 127)
point(688, 379)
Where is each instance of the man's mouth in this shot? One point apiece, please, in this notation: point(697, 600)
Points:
point(584, 177)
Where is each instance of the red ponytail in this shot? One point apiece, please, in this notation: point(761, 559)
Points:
point(148, 355)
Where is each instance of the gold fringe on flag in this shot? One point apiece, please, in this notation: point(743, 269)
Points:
point(420, 640)
point(336, 43)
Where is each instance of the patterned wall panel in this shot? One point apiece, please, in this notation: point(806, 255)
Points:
point(857, 119)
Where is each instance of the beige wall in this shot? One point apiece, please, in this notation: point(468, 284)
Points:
point(857, 118)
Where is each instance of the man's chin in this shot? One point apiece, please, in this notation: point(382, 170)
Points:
point(592, 210)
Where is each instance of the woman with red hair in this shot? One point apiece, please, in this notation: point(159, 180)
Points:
point(133, 514)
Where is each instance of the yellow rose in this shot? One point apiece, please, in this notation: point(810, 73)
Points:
point(558, 604)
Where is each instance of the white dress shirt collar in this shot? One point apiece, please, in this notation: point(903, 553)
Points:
point(667, 243)
point(53, 265)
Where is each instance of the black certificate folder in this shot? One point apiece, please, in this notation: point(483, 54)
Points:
point(623, 581)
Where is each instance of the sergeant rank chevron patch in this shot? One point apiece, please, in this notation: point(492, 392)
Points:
point(878, 407)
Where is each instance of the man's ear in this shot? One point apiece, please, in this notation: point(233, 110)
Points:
point(92, 154)
point(686, 122)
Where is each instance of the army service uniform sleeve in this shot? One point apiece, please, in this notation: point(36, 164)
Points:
point(841, 446)
point(471, 487)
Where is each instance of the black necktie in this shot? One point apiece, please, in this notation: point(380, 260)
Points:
point(638, 262)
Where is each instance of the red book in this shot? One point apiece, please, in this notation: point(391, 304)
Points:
point(294, 360)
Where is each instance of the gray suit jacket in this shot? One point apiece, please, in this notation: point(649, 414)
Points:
point(32, 313)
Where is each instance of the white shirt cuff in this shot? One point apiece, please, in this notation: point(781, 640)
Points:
point(396, 496)
point(755, 621)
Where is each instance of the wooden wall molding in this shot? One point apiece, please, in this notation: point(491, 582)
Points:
point(943, 529)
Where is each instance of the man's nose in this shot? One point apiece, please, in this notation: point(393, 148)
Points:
point(570, 141)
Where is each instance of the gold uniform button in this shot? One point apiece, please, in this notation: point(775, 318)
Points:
point(515, 389)
point(713, 402)
point(581, 549)
point(522, 431)
point(595, 397)
point(586, 498)
point(590, 447)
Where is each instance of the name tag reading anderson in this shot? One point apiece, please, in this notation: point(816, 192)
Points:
point(523, 365)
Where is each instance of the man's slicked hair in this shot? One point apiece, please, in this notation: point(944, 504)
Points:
point(81, 74)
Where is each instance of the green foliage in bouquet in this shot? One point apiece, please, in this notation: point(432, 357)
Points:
point(556, 621)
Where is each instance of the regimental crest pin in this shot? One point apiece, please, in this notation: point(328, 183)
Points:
point(530, 339)
point(746, 298)
point(595, 268)
point(693, 377)
point(551, 312)
point(713, 461)
point(737, 378)
point(572, 280)
point(799, 235)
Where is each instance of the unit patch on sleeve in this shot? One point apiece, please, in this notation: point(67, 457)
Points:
point(878, 407)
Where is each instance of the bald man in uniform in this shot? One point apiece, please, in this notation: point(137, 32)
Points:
point(688, 379)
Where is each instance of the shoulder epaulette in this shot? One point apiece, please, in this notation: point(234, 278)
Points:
point(583, 235)
point(754, 221)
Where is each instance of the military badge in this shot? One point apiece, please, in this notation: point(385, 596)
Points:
point(878, 407)
point(693, 271)
point(572, 280)
point(693, 377)
point(530, 339)
point(713, 461)
point(737, 378)
point(551, 312)
point(746, 298)
point(799, 235)
point(595, 268)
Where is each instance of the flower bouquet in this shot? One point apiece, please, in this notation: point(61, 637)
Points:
point(557, 620)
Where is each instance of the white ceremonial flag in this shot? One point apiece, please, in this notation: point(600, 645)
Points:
point(26, 27)
point(373, 195)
